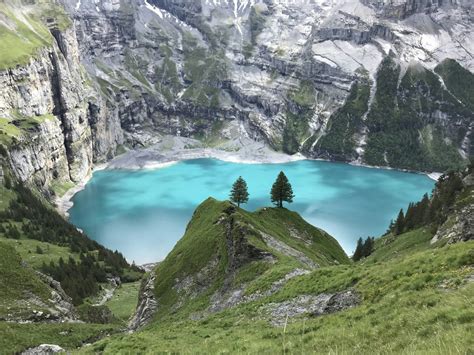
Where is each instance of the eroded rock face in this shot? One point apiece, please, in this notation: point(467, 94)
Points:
point(147, 303)
point(174, 67)
point(458, 228)
point(188, 68)
point(70, 126)
point(317, 305)
point(64, 309)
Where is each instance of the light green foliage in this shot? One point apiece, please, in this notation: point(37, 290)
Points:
point(25, 31)
point(26, 248)
point(167, 81)
point(203, 70)
point(305, 96)
point(15, 338)
point(61, 187)
point(8, 131)
point(418, 303)
point(296, 128)
point(205, 241)
point(124, 300)
point(13, 128)
point(135, 66)
point(18, 283)
point(391, 246)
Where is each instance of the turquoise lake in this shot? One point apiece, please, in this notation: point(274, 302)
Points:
point(144, 213)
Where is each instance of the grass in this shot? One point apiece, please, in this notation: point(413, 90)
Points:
point(18, 283)
point(8, 131)
point(61, 187)
point(27, 249)
point(421, 303)
point(15, 338)
point(205, 242)
point(6, 196)
point(392, 246)
point(124, 301)
point(24, 32)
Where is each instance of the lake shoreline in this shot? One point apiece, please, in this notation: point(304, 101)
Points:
point(172, 150)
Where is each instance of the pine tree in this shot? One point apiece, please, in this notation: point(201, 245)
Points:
point(358, 252)
point(368, 247)
point(399, 223)
point(281, 190)
point(239, 193)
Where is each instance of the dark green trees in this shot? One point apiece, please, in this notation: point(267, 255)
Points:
point(281, 190)
point(399, 225)
point(239, 193)
point(363, 249)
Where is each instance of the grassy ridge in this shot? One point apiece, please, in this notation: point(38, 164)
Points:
point(204, 244)
point(418, 303)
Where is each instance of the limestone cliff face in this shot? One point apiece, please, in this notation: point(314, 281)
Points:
point(65, 125)
point(302, 77)
point(281, 69)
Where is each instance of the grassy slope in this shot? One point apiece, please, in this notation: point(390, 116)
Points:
point(17, 284)
point(15, 338)
point(205, 240)
point(23, 30)
point(124, 301)
point(421, 302)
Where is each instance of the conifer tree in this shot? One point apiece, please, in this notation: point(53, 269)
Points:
point(399, 223)
point(239, 193)
point(358, 252)
point(281, 190)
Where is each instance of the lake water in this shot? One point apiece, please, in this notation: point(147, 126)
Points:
point(144, 213)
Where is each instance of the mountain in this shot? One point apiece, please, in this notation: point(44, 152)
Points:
point(376, 82)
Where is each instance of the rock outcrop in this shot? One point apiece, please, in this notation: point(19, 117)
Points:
point(64, 125)
point(313, 305)
point(459, 226)
point(44, 349)
point(147, 303)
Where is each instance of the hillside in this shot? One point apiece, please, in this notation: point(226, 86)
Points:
point(267, 281)
point(408, 296)
point(50, 273)
point(230, 256)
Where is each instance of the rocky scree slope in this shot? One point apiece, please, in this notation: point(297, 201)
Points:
point(229, 256)
point(360, 81)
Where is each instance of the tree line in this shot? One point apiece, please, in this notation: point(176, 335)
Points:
point(428, 212)
point(280, 192)
point(28, 215)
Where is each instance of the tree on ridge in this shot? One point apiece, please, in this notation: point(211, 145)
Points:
point(281, 190)
point(239, 193)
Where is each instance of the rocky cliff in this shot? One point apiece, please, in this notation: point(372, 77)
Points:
point(310, 76)
point(53, 121)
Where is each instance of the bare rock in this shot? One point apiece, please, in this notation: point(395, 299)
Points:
point(44, 349)
point(147, 303)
